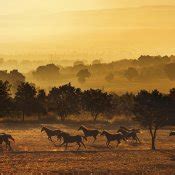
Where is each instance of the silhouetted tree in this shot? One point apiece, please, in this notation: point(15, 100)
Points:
point(96, 62)
point(170, 71)
point(16, 78)
point(41, 103)
point(77, 63)
point(171, 107)
point(109, 77)
point(131, 73)
point(65, 100)
point(83, 75)
point(48, 72)
point(25, 98)
point(5, 99)
point(126, 104)
point(96, 102)
point(150, 111)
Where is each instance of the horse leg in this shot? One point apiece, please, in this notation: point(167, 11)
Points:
point(79, 145)
point(66, 146)
point(62, 143)
point(95, 137)
point(1, 148)
point(9, 145)
point(83, 144)
point(138, 139)
point(118, 142)
point(108, 144)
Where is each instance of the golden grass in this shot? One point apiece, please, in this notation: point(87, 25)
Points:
point(33, 153)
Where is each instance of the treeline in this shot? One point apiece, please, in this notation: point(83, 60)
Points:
point(67, 100)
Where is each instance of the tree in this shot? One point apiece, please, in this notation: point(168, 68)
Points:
point(96, 102)
point(150, 111)
point(131, 73)
point(25, 98)
point(5, 99)
point(109, 77)
point(170, 71)
point(41, 103)
point(96, 62)
point(48, 72)
point(65, 100)
point(83, 75)
point(77, 63)
point(126, 104)
point(16, 78)
point(171, 109)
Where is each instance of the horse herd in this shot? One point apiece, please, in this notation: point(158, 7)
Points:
point(123, 134)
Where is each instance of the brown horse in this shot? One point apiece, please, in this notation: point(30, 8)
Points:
point(113, 137)
point(72, 139)
point(172, 133)
point(135, 130)
point(51, 133)
point(89, 132)
point(130, 133)
point(6, 138)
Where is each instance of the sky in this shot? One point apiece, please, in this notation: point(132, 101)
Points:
point(36, 27)
point(20, 6)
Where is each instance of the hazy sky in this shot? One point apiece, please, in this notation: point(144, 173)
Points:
point(34, 26)
point(18, 6)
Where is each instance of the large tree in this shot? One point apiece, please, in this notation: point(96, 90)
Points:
point(41, 103)
point(25, 98)
point(96, 102)
point(150, 111)
point(5, 99)
point(65, 100)
point(82, 75)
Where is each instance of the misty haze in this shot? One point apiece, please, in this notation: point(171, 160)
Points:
point(87, 87)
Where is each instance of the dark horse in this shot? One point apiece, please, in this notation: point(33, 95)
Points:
point(89, 132)
point(6, 138)
point(113, 137)
point(72, 139)
point(172, 133)
point(50, 133)
point(130, 133)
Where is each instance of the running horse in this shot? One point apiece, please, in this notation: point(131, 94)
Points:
point(6, 138)
point(51, 133)
point(113, 137)
point(89, 132)
point(72, 139)
point(130, 133)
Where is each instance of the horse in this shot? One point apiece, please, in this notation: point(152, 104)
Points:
point(172, 133)
point(135, 130)
point(50, 133)
point(89, 132)
point(129, 134)
point(6, 138)
point(112, 137)
point(72, 139)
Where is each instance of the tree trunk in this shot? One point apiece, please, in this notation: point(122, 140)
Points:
point(62, 118)
point(39, 116)
point(153, 143)
point(153, 137)
point(95, 117)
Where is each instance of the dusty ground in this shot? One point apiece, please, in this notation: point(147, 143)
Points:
point(33, 153)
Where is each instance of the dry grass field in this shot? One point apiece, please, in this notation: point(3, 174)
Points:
point(34, 154)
